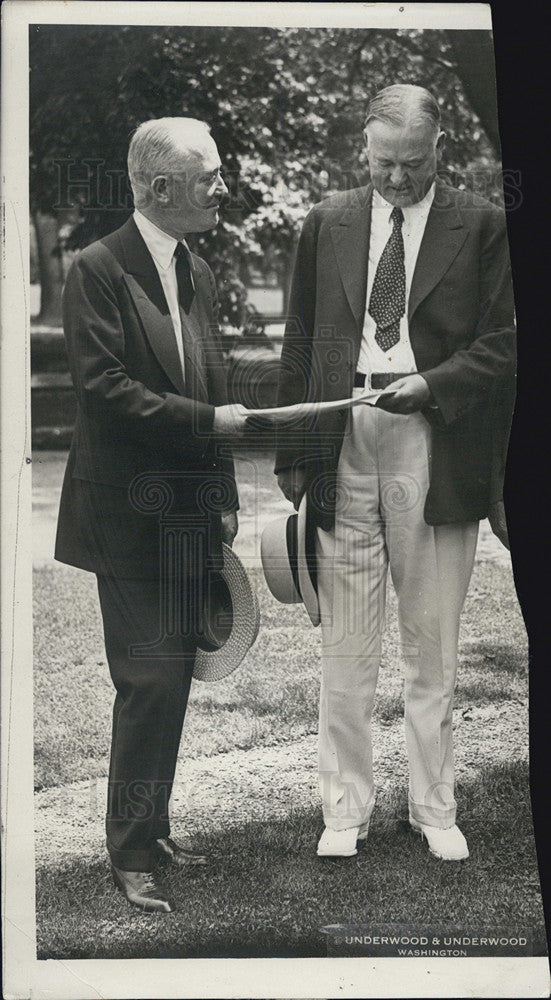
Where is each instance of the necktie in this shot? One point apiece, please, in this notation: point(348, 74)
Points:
point(183, 277)
point(387, 303)
point(194, 361)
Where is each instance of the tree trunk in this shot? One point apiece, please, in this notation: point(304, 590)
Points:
point(474, 55)
point(50, 268)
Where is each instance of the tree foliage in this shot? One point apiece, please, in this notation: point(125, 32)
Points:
point(286, 107)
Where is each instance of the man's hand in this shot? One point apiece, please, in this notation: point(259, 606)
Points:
point(229, 527)
point(292, 483)
point(498, 523)
point(407, 395)
point(229, 420)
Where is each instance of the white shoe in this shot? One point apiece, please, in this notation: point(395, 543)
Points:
point(339, 843)
point(449, 845)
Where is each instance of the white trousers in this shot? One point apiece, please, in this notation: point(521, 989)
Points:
point(383, 477)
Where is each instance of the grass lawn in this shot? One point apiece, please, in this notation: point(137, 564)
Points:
point(267, 895)
point(271, 698)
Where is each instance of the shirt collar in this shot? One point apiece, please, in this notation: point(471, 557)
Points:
point(160, 245)
point(412, 213)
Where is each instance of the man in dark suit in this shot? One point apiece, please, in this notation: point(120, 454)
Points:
point(149, 494)
point(403, 288)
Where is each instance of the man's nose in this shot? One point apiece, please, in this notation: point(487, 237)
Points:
point(397, 175)
point(221, 187)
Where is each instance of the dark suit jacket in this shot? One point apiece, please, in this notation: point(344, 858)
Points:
point(461, 324)
point(142, 446)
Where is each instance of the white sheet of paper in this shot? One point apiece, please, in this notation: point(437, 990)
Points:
point(283, 414)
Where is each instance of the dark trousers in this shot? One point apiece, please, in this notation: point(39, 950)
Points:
point(148, 715)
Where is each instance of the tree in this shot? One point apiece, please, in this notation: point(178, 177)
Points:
point(286, 109)
point(475, 65)
point(50, 266)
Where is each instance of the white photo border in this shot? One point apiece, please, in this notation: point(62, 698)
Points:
point(24, 975)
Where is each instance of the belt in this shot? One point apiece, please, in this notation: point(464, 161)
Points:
point(377, 380)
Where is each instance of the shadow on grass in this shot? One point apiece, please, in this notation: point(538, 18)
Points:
point(497, 656)
point(267, 894)
point(488, 673)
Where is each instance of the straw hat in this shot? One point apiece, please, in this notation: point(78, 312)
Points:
point(232, 619)
point(287, 550)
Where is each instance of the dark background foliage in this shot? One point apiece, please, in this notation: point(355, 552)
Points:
point(286, 107)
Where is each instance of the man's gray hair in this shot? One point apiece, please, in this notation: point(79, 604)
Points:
point(404, 104)
point(158, 146)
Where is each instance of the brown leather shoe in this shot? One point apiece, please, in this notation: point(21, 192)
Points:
point(168, 851)
point(141, 889)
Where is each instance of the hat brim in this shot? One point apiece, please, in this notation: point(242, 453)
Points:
point(278, 552)
point(214, 664)
point(307, 571)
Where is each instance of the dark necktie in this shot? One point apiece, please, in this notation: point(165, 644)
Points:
point(387, 303)
point(194, 360)
point(183, 277)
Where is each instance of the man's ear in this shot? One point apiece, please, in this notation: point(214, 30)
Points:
point(440, 144)
point(159, 186)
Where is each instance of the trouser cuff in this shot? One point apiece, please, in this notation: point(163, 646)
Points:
point(335, 819)
point(131, 861)
point(441, 818)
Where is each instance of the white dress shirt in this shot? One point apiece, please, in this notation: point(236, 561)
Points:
point(399, 358)
point(161, 247)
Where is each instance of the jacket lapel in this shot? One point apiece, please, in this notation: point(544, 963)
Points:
point(442, 240)
point(145, 287)
point(351, 243)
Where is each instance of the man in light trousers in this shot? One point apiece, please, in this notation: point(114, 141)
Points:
point(401, 287)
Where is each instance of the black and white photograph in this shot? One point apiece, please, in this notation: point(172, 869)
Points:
point(273, 670)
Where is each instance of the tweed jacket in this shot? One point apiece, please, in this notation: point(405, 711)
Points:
point(462, 332)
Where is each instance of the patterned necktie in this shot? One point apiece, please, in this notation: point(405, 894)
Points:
point(183, 277)
point(387, 303)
